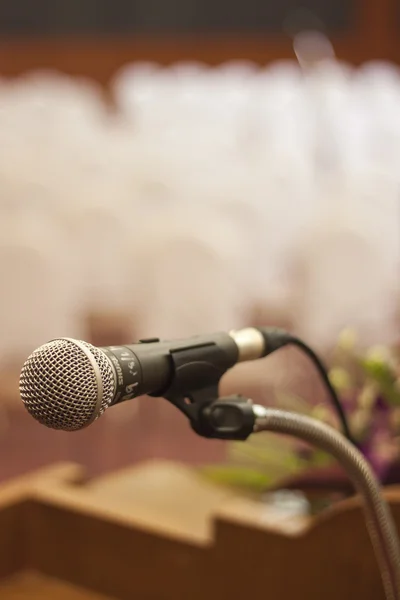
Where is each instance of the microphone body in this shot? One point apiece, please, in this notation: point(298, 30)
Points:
point(67, 384)
point(147, 368)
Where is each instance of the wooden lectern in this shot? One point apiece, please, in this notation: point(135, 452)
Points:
point(157, 531)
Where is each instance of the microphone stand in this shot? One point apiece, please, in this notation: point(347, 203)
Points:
point(194, 391)
point(235, 418)
point(381, 527)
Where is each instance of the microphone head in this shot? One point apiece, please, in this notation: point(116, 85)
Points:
point(67, 384)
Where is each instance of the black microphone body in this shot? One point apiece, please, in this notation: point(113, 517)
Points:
point(150, 367)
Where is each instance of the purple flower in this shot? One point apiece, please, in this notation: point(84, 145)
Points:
point(378, 444)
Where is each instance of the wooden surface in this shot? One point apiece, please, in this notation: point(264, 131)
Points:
point(101, 58)
point(34, 586)
point(158, 531)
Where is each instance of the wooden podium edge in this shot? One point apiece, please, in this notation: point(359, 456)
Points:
point(49, 523)
point(62, 484)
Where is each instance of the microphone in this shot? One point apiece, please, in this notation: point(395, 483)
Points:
point(67, 384)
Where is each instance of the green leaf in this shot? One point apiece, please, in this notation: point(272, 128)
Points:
point(239, 477)
point(340, 379)
point(267, 452)
point(321, 459)
point(381, 373)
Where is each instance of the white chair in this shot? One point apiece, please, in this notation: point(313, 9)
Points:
point(342, 282)
point(182, 283)
point(39, 299)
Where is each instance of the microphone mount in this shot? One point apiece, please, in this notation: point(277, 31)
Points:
point(194, 391)
point(198, 366)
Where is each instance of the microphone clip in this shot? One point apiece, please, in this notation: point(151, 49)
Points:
point(194, 391)
point(230, 418)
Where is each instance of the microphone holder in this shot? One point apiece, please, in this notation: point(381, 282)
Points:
point(235, 418)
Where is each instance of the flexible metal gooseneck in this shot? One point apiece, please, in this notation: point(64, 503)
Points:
point(381, 527)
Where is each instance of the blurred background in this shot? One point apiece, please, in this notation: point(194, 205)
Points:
point(172, 167)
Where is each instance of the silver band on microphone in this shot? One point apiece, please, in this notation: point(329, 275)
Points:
point(250, 343)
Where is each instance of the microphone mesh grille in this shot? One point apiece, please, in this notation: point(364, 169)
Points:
point(59, 384)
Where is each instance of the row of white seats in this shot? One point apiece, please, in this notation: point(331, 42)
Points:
point(203, 192)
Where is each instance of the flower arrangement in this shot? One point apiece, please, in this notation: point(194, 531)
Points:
point(368, 384)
